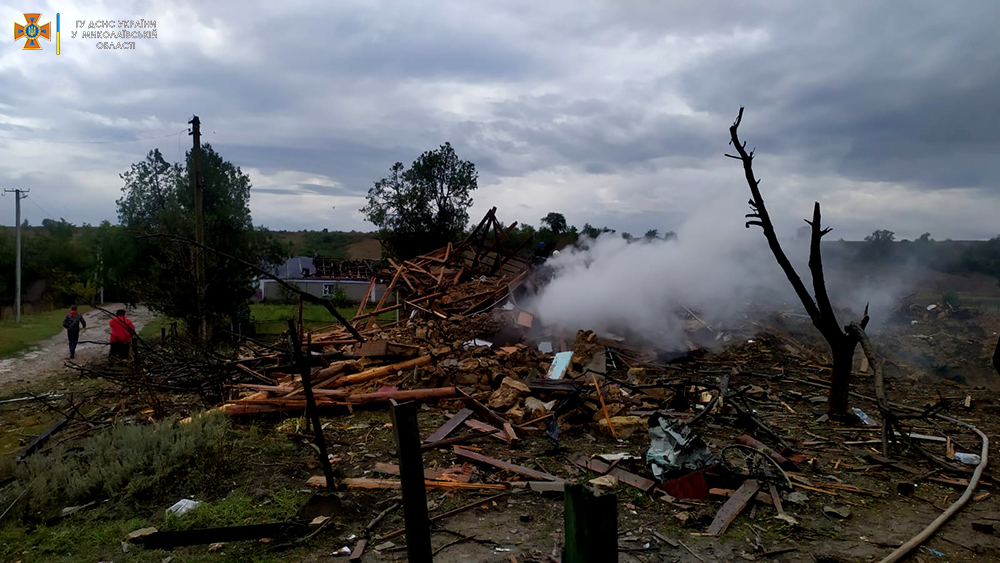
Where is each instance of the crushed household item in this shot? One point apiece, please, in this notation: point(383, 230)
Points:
point(674, 446)
point(559, 365)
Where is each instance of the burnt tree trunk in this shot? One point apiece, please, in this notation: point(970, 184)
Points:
point(842, 341)
point(840, 382)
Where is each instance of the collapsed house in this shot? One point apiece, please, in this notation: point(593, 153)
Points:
point(465, 342)
point(324, 277)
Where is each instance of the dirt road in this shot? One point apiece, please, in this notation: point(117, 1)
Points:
point(50, 355)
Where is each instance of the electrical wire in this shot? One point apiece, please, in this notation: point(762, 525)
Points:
point(92, 142)
point(48, 214)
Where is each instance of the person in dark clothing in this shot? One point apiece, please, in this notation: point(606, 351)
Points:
point(72, 323)
point(122, 331)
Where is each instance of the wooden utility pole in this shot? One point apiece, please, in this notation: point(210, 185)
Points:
point(17, 268)
point(198, 187)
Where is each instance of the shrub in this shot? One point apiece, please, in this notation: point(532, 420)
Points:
point(339, 297)
point(127, 462)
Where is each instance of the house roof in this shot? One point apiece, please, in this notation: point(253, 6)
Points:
point(293, 267)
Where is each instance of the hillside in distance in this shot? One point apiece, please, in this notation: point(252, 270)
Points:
point(339, 245)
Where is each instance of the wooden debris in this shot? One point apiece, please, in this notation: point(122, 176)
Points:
point(457, 474)
point(359, 551)
point(376, 373)
point(367, 483)
point(732, 508)
point(605, 468)
point(449, 426)
point(519, 469)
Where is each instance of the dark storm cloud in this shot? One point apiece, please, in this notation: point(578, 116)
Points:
point(623, 101)
point(880, 94)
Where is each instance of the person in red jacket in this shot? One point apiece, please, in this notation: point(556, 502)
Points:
point(122, 330)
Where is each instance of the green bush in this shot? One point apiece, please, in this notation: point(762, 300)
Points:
point(339, 297)
point(127, 462)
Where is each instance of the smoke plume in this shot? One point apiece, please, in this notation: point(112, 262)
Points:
point(715, 267)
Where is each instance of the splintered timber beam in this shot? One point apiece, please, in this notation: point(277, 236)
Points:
point(375, 373)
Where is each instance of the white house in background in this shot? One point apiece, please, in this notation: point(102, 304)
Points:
point(307, 274)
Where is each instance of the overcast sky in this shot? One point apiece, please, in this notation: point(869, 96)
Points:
point(612, 112)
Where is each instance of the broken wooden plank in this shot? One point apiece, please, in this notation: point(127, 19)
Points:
point(449, 426)
point(605, 468)
point(368, 483)
point(732, 508)
point(488, 430)
point(457, 474)
point(487, 415)
point(359, 551)
point(782, 461)
point(519, 469)
point(669, 541)
point(776, 498)
point(459, 440)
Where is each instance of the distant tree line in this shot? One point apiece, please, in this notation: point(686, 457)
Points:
point(953, 257)
point(130, 260)
point(61, 256)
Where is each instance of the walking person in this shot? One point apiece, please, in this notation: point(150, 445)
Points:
point(122, 330)
point(72, 323)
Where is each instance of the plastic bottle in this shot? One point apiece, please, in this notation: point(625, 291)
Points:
point(968, 459)
point(864, 417)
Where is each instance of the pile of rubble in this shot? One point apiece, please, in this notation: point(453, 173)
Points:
point(502, 375)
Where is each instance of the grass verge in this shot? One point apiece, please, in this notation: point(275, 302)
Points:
point(33, 329)
point(271, 317)
point(150, 331)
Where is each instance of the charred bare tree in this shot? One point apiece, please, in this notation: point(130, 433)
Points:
point(842, 341)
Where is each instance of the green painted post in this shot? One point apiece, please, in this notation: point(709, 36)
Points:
point(591, 526)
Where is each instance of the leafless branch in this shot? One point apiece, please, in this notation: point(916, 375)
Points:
point(768, 228)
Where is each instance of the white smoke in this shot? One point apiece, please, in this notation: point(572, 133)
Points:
point(715, 267)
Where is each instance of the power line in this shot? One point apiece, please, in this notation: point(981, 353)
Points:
point(40, 208)
point(91, 142)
